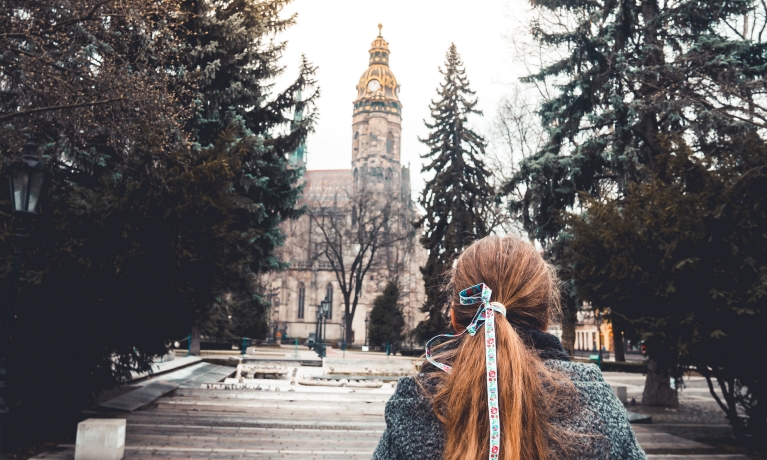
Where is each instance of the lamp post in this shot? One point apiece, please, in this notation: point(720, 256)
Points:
point(367, 331)
point(343, 338)
point(27, 178)
point(599, 338)
point(325, 308)
point(322, 314)
point(317, 330)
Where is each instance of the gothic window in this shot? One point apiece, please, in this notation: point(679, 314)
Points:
point(356, 143)
point(301, 300)
point(329, 295)
point(389, 142)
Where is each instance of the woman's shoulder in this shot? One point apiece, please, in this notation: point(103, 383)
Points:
point(598, 412)
point(407, 388)
point(411, 425)
point(576, 372)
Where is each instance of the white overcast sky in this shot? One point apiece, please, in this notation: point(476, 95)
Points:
point(335, 35)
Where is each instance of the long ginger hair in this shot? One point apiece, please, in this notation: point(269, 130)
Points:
point(530, 395)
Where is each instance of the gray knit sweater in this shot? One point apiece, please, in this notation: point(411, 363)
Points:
point(414, 432)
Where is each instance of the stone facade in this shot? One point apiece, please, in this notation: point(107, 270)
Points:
point(375, 166)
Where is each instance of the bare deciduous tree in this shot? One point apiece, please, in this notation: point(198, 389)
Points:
point(515, 134)
point(354, 232)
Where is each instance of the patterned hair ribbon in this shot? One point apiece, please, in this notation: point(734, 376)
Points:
point(480, 294)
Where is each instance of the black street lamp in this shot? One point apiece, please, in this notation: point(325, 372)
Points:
point(322, 315)
point(343, 337)
point(325, 308)
point(27, 178)
point(367, 330)
point(599, 338)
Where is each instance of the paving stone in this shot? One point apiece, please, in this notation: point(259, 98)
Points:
point(331, 423)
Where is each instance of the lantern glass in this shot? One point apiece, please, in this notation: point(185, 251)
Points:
point(36, 178)
point(325, 306)
point(19, 188)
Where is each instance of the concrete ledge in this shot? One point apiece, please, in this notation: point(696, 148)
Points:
point(165, 367)
point(234, 361)
point(140, 397)
point(639, 419)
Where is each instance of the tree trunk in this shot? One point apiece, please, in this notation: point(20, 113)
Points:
point(569, 318)
point(657, 389)
point(194, 348)
point(620, 352)
point(349, 331)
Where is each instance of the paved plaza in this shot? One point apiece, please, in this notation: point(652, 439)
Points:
point(280, 419)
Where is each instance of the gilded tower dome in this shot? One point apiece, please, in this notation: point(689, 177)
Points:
point(377, 89)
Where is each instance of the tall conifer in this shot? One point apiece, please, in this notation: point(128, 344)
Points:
point(625, 76)
point(456, 198)
point(233, 57)
point(629, 74)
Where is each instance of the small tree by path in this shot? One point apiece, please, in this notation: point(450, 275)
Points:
point(386, 320)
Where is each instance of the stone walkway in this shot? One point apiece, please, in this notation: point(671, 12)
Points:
point(284, 421)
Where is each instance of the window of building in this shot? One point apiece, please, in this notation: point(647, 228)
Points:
point(389, 142)
point(356, 143)
point(301, 300)
point(329, 295)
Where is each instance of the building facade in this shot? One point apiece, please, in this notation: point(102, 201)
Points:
point(376, 167)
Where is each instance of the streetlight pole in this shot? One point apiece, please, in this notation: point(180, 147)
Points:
point(343, 339)
point(322, 314)
point(317, 330)
point(367, 330)
point(27, 178)
point(599, 338)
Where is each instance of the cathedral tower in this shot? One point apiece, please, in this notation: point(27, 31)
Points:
point(377, 124)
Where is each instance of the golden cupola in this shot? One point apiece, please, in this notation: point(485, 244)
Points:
point(377, 90)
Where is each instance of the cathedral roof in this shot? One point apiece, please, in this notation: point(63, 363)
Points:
point(378, 89)
point(327, 186)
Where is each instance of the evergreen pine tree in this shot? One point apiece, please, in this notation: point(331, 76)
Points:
point(233, 59)
point(684, 262)
point(630, 73)
point(386, 320)
point(457, 197)
point(141, 234)
point(626, 76)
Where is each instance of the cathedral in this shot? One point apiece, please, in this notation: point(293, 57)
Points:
point(375, 138)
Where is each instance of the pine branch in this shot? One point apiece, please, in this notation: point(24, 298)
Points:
point(59, 107)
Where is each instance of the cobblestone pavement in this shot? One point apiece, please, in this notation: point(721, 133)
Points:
point(698, 418)
point(287, 421)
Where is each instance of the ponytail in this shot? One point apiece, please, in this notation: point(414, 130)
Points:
point(461, 403)
point(529, 395)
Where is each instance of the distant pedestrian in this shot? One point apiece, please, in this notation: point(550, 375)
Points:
point(501, 387)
